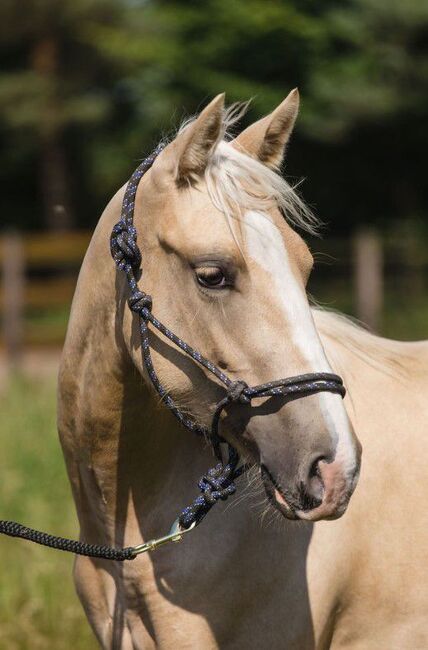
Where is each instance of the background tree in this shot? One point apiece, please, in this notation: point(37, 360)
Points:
point(93, 82)
point(53, 84)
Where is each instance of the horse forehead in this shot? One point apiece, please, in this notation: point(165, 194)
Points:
point(191, 219)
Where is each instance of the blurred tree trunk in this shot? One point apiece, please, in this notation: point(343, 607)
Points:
point(53, 168)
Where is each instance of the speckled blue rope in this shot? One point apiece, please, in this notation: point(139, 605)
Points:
point(218, 484)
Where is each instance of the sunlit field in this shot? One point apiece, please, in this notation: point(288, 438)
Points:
point(38, 606)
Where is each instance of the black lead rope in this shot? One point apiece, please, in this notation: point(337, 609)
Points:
point(219, 482)
point(13, 529)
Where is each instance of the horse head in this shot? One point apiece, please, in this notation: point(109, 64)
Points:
point(228, 273)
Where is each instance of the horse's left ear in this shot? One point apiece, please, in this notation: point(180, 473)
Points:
point(267, 138)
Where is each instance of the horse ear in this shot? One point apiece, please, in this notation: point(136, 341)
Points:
point(194, 145)
point(267, 138)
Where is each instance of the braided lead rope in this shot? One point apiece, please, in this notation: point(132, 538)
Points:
point(13, 529)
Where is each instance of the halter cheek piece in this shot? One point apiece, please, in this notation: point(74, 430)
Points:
point(218, 483)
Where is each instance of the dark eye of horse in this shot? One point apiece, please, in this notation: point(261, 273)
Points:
point(211, 277)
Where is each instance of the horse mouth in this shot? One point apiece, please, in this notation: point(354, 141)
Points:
point(288, 504)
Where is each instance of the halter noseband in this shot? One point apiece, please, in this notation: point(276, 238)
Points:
point(218, 483)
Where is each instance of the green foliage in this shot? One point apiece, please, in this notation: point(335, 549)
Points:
point(106, 78)
point(374, 66)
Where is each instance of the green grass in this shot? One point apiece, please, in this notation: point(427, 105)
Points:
point(38, 605)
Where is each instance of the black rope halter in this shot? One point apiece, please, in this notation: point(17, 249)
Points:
point(219, 482)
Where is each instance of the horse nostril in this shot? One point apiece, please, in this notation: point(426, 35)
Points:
point(314, 489)
point(314, 469)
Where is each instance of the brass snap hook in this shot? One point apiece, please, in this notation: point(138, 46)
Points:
point(175, 535)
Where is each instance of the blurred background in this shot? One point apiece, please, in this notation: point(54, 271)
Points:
point(87, 88)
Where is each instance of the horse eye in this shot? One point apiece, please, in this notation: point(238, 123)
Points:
point(212, 277)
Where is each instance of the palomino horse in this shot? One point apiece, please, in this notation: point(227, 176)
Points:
point(227, 273)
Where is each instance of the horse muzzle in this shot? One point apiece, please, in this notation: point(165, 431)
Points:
point(321, 491)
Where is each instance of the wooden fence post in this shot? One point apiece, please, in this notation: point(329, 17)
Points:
point(368, 277)
point(13, 279)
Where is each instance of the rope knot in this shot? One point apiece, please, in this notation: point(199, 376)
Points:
point(123, 246)
point(139, 301)
point(217, 485)
point(236, 392)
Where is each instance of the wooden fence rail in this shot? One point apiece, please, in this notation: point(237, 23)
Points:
point(39, 271)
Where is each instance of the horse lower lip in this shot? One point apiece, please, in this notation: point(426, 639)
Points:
point(280, 499)
point(274, 494)
point(293, 509)
point(280, 503)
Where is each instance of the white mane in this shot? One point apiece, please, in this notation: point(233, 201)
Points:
point(236, 181)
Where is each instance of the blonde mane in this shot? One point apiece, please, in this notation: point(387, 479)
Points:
point(340, 332)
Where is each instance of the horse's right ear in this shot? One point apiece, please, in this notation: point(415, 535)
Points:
point(266, 139)
point(187, 156)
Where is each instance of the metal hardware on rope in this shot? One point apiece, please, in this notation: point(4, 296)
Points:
point(219, 482)
point(175, 535)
